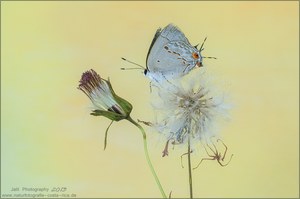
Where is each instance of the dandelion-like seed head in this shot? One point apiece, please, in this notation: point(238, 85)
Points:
point(188, 107)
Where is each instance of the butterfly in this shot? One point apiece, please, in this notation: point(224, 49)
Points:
point(171, 55)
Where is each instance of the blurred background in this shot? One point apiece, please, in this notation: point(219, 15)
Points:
point(48, 138)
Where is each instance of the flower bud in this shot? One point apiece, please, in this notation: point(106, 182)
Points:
point(106, 102)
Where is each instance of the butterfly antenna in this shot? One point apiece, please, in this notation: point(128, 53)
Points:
point(210, 57)
point(201, 48)
point(140, 66)
point(131, 68)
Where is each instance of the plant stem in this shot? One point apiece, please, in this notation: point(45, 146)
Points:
point(147, 156)
point(190, 168)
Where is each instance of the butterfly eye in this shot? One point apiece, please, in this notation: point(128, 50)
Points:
point(195, 56)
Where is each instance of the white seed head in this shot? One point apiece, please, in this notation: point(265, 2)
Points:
point(188, 106)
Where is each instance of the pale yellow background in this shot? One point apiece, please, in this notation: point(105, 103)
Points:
point(48, 138)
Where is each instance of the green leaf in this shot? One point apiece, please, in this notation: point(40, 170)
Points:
point(108, 114)
point(126, 106)
point(105, 139)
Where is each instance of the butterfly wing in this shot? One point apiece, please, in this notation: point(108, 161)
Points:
point(158, 32)
point(170, 52)
point(173, 33)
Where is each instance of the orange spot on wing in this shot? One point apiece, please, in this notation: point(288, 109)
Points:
point(195, 55)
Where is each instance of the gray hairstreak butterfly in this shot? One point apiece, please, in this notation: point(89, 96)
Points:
point(171, 55)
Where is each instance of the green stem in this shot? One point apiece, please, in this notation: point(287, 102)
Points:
point(190, 169)
point(147, 156)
